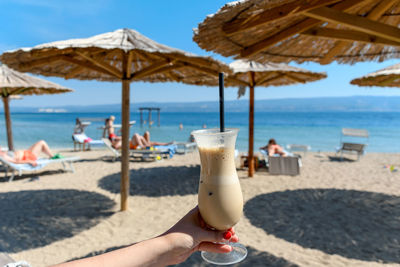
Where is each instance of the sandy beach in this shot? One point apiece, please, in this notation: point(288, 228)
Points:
point(335, 213)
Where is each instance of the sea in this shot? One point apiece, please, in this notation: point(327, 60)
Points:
point(320, 130)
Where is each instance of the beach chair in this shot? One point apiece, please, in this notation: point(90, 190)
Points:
point(350, 146)
point(278, 165)
point(41, 163)
point(283, 165)
point(83, 142)
point(298, 148)
point(116, 153)
point(185, 147)
point(159, 153)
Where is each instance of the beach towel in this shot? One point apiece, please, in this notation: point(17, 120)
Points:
point(83, 138)
point(171, 149)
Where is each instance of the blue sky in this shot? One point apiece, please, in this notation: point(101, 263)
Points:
point(27, 23)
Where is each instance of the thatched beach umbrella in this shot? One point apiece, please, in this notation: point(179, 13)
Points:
point(346, 31)
point(120, 56)
point(387, 77)
point(13, 84)
point(252, 74)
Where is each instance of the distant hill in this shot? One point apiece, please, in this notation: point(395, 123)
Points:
point(346, 104)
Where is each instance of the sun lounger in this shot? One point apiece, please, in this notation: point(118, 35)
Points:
point(157, 154)
point(41, 163)
point(283, 165)
point(116, 153)
point(298, 148)
point(185, 147)
point(160, 152)
point(354, 148)
point(278, 165)
point(84, 142)
point(347, 146)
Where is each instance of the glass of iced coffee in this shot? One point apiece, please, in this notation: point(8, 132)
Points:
point(220, 197)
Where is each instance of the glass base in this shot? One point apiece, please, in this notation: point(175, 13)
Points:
point(238, 254)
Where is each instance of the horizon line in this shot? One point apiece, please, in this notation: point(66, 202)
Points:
point(202, 101)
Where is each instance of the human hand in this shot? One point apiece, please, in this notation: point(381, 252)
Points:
point(33, 163)
point(173, 247)
point(190, 235)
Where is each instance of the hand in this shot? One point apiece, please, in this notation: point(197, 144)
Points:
point(172, 247)
point(189, 235)
point(33, 163)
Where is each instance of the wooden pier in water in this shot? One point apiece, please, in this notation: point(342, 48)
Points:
point(149, 110)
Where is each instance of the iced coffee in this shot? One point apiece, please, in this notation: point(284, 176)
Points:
point(220, 195)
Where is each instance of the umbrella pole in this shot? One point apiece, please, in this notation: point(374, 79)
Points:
point(125, 145)
point(8, 123)
point(250, 158)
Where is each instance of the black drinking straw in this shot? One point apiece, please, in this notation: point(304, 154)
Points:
point(221, 102)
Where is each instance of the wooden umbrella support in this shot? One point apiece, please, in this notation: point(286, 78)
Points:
point(7, 115)
point(125, 181)
point(125, 145)
point(250, 158)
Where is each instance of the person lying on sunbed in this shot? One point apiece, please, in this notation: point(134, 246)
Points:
point(30, 155)
point(138, 140)
point(273, 148)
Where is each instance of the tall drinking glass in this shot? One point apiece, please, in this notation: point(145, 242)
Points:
point(220, 197)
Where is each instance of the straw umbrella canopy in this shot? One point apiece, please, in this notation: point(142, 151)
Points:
point(252, 74)
point(346, 31)
point(387, 77)
point(13, 84)
point(120, 56)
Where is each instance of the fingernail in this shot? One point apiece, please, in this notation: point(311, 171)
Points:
point(227, 235)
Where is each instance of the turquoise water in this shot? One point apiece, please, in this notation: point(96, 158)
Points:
point(320, 130)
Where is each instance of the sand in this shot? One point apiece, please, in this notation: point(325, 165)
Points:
point(333, 214)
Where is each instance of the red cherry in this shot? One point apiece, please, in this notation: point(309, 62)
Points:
point(227, 235)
